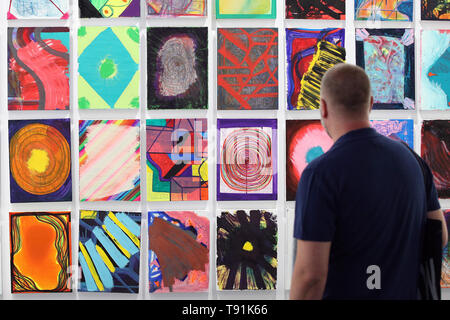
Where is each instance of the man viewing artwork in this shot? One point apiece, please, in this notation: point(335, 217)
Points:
point(361, 207)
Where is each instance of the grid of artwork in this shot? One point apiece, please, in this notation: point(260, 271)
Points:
point(175, 149)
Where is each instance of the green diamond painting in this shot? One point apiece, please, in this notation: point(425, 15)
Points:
point(108, 67)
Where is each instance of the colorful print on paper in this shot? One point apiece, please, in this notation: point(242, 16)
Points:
point(310, 53)
point(246, 9)
point(384, 10)
point(435, 74)
point(177, 68)
point(315, 9)
point(387, 56)
point(435, 9)
point(40, 160)
point(247, 159)
point(108, 67)
point(38, 9)
point(178, 251)
point(109, 251)
point(445, 278)
point(109, 160)
point(247, 71)
point(38, 68)
point(40, 252)
point(247, 250)
point(436, 152)
point(109, 8)
point(176, 8)
point(177, 160)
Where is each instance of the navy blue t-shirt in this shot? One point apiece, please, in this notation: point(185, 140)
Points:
point(367, 196)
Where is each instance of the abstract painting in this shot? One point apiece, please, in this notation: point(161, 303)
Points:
point(176, 8)
point(246, 9)
point(445, 279)
point(247, 68)
point(40, 252)
point(178, 251)
point(108, 67)
point(399, 130)
point(436, 152)
point(435, 10)
point(310, 53)
point(307, 139)
point(384, 10)
point(387, 56)
point(38, 68)
point(109, 251)
point(38, 9)
point(315, 9)
point(40, 161)
point(112, 142)
point(247, 159)
point(177, 68)
point(247, 250)
point(435, 73)
point(177, 159)
point(109, 8)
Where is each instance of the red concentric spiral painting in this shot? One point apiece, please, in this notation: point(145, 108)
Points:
point(247, 159)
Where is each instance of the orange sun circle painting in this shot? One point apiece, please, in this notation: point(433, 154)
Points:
point(40, 163)
point(40, 252)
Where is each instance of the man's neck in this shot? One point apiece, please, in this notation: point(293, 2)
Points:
point(347, 127)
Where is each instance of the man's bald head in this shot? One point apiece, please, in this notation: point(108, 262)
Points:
point(347, 87)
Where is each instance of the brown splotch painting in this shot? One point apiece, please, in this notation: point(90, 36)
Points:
point(179, 251)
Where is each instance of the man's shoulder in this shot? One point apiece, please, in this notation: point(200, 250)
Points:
point(324, 162)
point(340, 156)
point(332, 156)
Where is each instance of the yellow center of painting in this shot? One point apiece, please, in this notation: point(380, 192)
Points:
point(38, 161)
point(248, 246)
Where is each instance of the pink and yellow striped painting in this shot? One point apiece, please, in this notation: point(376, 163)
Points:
point(109, 160)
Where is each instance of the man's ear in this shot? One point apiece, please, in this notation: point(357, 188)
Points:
point(323, 108)
point(371, 104)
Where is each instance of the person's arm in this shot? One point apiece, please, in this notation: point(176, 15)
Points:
point(314, 229)
point(310, 270)
point(439, 215)
point(434, 210)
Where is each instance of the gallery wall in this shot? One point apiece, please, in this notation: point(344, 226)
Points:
point(211, 208)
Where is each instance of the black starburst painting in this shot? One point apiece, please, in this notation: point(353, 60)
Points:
point(247, 250)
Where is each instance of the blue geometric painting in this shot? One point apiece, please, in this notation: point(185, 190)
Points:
point(109, 251)
point(435, 75)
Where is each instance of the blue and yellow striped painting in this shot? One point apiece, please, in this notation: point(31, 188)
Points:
point(109, 251)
